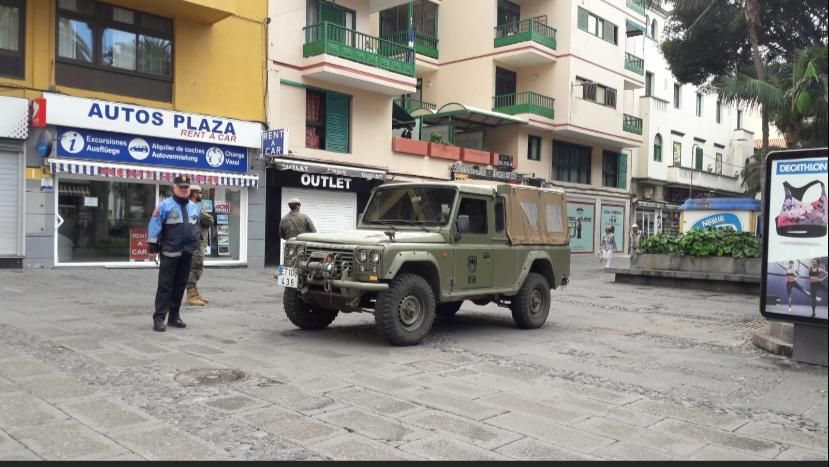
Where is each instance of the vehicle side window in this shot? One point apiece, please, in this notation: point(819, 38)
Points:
point(499, 215)
point(476, 210)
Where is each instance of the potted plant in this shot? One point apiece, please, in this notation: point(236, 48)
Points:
point(439, 149)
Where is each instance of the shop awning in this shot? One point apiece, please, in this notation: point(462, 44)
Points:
point(400, 118)
point(465, 117)
point(634, 29)
point(159, 174)
point(327, 169)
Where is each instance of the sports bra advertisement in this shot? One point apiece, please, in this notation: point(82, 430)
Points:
point(795, 243)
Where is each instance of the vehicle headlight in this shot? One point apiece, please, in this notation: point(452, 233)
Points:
point(289, 251)
point(362, 256)
point(375, 257)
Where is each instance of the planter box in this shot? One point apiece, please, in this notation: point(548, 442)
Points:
point(710, 264)
point(475, 156)
point(444, 151)
point(410, 146)
point(752, 266)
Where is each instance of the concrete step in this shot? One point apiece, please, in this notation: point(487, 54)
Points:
point(765, 340)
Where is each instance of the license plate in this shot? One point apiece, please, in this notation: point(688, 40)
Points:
point(287, 277)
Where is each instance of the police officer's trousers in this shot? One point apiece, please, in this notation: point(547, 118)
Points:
point(172, 280)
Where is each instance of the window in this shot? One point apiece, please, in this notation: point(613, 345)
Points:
point(614, 169)
point(719, 111)
point(506, 83)
point(395, 21)
point(112, 49)
point(657, 148)
point(508, 13)
point(499, 215)
point(476, 210)
point(718, 163)
point(571, 162)
point(598, 26)
point(12, 37)
point(327, 120)
point(677, 154)
point(653, 29)
point(699, 105)
point(677, 95)
point(597, 93)
point(739, 119)
point(698, 157)
point(648, 84)
point(318, 11)
point(534, 148)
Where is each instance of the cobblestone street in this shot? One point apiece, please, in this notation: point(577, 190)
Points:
point(618, 372)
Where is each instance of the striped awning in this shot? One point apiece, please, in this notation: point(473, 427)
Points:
point(159, 174)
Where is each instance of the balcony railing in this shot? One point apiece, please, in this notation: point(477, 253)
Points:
point(424, 44)
point(411, 105)
point(333, 39)
point(533, 29)
point(523, 103)
point(632, 124)
point(634, 63)
point(637, 6)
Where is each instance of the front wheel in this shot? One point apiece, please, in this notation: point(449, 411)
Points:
point(531, 305)
point(304, 315)
point(404, 313)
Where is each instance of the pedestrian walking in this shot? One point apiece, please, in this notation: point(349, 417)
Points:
point(194, 297)
point(608, 246)
point(295, 222)
point(635, 239)
point(173, 234)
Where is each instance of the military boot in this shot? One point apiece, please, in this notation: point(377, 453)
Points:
point(199, 296)
point(193, 298)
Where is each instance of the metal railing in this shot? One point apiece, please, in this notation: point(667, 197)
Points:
point(333, 39)
point(524, 102)
point(410, 104)
point(424, 44)
point(632, 124)
point(533, 29)
point(634, 63)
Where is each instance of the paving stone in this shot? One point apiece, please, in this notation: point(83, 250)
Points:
point(578, 404)
point(242, 362)
point(716, 453)
point(7, 444)
point(288, 396)
point(372, 426)
point(18, 368)
point(320, 383)
point(67, 441)
point(676, 446)
point(796, 453)
point(704, 434)
point(182, 362)
point(105, 414)
point(443, 448)
point(691, 414)
point(610, 428)
point(143, 347)
point(532, 449)
point(235, 403)
point(7, 386)
point(457, 405)
point(374, 401)
point(121, 359)
point(55, 388)
point(21, 410)
point(19, 455)
point(53, 332)
point(771, 432)
point(545, 430)
point(80, 343)
point(604, 395)
point(630, 451)
point(199, 349)
point(289, 425)
point(550, 412)
point(486, 436)
point(8, 352)
point(449, 385)
point(431, 366)
point(378, 383)
point(634, 417)
point(166, 443)
point(818, 414)
point(354, 447)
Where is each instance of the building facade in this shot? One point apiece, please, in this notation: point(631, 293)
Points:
point(694, 146)
point(120, 96)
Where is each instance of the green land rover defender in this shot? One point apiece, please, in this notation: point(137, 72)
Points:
point(421, 249)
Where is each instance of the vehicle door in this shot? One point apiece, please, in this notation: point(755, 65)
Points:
point(473, 250)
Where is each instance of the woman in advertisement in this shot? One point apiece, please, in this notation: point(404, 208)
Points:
point(792, 275)
point(817, 275)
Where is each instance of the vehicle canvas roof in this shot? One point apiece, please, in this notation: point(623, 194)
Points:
point(484, 187)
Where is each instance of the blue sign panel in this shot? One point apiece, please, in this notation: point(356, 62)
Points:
point(275, 142)
point(145, 150)
point(720, 221)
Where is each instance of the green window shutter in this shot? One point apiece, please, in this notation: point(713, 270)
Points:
point(609, 33)
point(332, 13)
point(336, 122)
point(699, 157)
point(582, 18)
point(621, 182)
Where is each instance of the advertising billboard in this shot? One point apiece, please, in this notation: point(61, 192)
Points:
point(795, 246)
point(580, 222)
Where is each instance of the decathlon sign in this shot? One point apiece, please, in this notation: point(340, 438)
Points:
point(137, 120)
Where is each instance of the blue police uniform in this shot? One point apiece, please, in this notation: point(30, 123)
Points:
point(173, 232)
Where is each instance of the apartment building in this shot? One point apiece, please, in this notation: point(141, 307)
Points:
point(694, 145)
point(103, 103)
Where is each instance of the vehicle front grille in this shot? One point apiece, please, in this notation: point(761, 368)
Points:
point(343, 258)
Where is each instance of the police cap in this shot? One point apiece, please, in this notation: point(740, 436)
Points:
point(182, 180)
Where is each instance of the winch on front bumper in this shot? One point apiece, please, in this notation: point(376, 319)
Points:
point(333, 269)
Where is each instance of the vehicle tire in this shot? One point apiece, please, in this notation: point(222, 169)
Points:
point(531, 305)
point(448, 309)
point(304, 315)
point(406, 311)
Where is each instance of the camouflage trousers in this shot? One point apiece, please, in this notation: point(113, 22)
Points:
point(196, 269)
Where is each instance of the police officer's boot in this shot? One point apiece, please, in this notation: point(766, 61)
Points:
point(199, 296)
point(193, 298)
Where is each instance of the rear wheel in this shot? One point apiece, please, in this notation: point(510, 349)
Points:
point(447, 309)
point(406, 311)
point(304, 315)
point(531, 305)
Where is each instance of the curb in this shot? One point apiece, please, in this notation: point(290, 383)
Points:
point(765, 340)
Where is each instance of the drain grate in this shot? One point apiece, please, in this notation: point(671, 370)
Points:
point(210, 377)
point(756, 324)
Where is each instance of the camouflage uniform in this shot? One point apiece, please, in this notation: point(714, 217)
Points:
point(293, 224)
point(205, 222)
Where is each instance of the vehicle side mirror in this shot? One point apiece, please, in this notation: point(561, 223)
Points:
point(463, 223)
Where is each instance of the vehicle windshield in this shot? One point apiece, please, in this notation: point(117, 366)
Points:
point(421, 205)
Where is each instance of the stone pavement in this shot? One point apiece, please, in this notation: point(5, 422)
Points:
point(618, 372)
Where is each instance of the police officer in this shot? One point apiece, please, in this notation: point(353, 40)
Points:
point(173, 232)
point(205, 222)
point(295, 222)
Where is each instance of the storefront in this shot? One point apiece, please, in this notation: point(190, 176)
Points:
point(654, 217)
point(589, 213)
point(113, 163)
point(14, 130)
point(332, 195)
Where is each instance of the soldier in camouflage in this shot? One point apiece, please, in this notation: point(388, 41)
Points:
point(295, 222)
point(205, 222)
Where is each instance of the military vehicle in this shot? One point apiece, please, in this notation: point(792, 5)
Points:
point(422, 249)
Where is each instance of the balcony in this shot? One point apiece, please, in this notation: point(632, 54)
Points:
point(696, 178)
point(531, 42)
point(634, 64)
point(632, 124)
point(637, 6)
point(410, 105)
point(524, 103)
point(424, 44)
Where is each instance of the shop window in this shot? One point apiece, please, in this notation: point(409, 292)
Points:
point(534, 148)
point(598, 26)
point(12, 37)
point(327, 121)
point(597, 93)
point(476, 210)
point(657, 148)
point(225, 236)
point(571, 162)
point(111, 49)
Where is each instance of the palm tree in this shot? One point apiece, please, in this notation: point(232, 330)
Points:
point(803, 120)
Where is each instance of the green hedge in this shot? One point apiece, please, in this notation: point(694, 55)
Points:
point(704, 242)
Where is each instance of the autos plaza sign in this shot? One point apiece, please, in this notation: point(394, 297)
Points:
point(76, 112)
